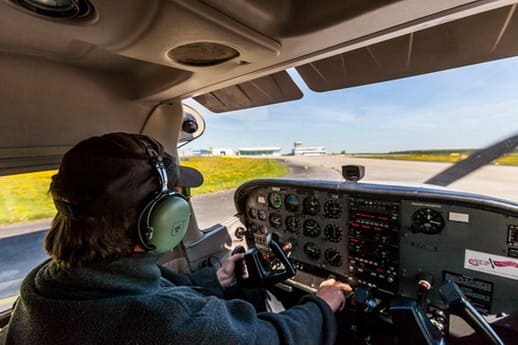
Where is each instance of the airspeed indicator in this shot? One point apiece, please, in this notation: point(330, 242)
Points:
point(275, 200)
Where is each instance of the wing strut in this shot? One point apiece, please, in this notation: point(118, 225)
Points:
point(474, 161)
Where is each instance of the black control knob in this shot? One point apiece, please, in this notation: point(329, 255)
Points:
point(425, 282)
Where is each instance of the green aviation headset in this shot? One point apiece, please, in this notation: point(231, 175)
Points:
point(163, 222)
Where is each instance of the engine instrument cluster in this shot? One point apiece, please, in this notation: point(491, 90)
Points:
point(383, 238)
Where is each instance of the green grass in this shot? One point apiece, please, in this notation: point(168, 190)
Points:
point(438, 156)
point(24, 197)
point(511, 159)
point(227, 172)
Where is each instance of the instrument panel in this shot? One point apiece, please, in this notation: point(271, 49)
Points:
point(384, 236)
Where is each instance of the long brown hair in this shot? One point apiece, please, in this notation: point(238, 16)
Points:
point(79, 241)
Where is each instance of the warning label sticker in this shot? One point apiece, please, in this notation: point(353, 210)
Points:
point(491, 264)
point(479, 292)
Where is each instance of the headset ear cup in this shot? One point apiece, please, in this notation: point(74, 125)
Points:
point(168, 222)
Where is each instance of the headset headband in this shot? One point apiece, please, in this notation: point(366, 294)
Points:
point(156, 161)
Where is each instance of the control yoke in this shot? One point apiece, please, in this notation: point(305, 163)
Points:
point(259, 272)
point(411, 319)
point(460, 306)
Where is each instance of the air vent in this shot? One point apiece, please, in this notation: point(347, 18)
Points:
point(62, 9)
point(200, 54)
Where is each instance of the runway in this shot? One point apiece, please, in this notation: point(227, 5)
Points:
point(497, 181)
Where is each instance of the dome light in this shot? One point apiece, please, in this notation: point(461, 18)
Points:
point(68, 9)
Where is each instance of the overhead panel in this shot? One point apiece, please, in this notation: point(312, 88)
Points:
point(274, 88)
point(484, 37)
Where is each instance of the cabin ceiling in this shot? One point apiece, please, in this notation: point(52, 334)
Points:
point(64, 80)
point(129, 41)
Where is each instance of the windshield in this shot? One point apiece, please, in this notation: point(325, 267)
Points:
point(405, 130)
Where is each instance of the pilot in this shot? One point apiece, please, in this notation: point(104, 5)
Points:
point(102, 284)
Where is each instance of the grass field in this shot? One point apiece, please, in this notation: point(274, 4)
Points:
point(438, 156)
point(227, 172)
point(24, 197)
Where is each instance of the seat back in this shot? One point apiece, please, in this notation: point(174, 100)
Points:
point(2, 335)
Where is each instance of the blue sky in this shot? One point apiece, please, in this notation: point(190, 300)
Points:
point(467, 107)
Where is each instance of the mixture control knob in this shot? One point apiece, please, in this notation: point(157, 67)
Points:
point(390, 280)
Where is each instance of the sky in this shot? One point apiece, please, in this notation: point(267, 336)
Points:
point(469, 107)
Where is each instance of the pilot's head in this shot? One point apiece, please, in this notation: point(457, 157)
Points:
point(102, 186)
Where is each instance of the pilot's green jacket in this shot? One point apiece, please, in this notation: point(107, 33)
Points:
point(129, 302)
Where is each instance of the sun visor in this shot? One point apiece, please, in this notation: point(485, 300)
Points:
point(274, 88)
point(487, 36)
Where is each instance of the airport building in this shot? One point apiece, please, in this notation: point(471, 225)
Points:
point(222, 151)
point(259, 151)
point(300, 150)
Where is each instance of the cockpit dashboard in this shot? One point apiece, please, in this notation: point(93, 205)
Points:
point(386, 237)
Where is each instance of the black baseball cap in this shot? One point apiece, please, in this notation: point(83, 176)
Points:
point(112, 173)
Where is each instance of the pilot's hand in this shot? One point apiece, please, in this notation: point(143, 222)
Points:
point(333, 293)
point(225, 273)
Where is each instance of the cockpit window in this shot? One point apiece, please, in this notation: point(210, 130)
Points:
point(405, 130)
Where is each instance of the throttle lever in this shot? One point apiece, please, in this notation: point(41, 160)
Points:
point(259, 272)
point(425, 282)
point(460, 306)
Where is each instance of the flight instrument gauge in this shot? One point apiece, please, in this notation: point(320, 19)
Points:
point(262, 214)
point(252, 213)
point(275, 200)
point(311, 228)
point(333, 233)
point(292, 203)
point(312, 250)
point(311, 206)
point(276, 220)
point(332, 209)
point(333, 257)
point(428, 221)
point(293, 224)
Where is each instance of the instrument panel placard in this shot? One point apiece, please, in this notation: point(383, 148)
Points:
point(491, 264)
point(479, 292)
